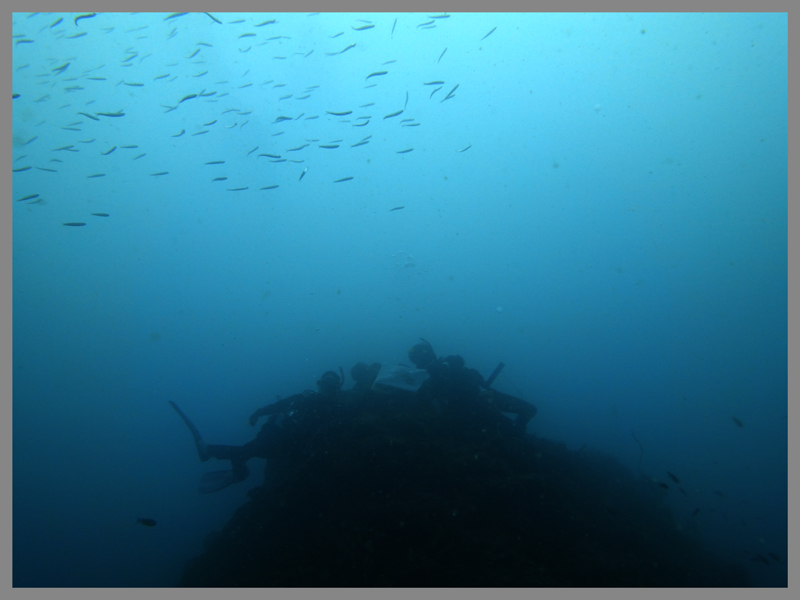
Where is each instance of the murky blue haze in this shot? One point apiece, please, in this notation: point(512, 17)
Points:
point(601, 203)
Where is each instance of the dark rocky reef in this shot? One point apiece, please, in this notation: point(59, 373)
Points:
point(396, 494)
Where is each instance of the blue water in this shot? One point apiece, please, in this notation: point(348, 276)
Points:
point(616, 234)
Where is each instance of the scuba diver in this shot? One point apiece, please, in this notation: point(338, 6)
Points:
point(291, 425)
point(364, 376)
point(464, 392)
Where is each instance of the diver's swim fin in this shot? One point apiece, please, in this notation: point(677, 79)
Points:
point(202, 447)
point(214, 481)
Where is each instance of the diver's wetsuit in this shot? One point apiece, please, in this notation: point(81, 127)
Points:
point(291, 425)
point(525, 411)
point(463, 392)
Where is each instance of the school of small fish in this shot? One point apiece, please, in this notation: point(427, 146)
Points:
point(201, 94)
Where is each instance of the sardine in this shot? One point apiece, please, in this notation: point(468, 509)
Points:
point(147, 522)
point(85, 16)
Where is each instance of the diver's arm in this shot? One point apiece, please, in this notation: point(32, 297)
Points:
point(270, 409)
point(256, 416)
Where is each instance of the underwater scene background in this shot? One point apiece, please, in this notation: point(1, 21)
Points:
point(215, 209)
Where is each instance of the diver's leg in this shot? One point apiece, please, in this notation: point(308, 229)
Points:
point(266, 445)
point(238, 455)
point(223, 452)
point(521, 425)
point(217, 480)
point(240, 470)
point(202, 447)
point(524, 410)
